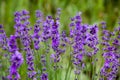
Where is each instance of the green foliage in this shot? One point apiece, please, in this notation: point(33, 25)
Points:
point(93, 11)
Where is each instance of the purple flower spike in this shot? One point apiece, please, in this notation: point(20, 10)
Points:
point(47, 24)
point(78, 34)
point(110, 55)
point(22, 32)
point(36, 37)
point(3, 39)
point(29, 59)
point(55, 37)
point(12, 44)
point(44, 76)
point(16, 62)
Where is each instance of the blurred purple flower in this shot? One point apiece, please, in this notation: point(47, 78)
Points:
point(44, 76)
point(16, 61)
point(22, 32)
point(3, 39)
point(12, 44)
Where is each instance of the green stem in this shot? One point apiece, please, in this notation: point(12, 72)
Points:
point(69, 73)
point(67, 70)
point(93, 68)
point(56, 72)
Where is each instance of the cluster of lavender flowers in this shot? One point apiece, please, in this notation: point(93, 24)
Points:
point(111, 43)
point(82, 39)
point(22, 32)
point(16, 59)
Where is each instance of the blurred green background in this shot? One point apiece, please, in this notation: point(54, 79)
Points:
point(93, 11)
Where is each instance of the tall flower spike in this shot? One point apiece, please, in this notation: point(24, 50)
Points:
point(12, 44)
point(22, 32)
point(46, 34)
point(56, 40)
point(111, 61)
point(3, 39)
point(55, 32)
point(92, 40)
point(16, 59)
point(44, 75)
point(39, 16)
point(36, 35)
point(78, 46)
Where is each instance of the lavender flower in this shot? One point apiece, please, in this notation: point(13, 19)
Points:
point(47, 28)
point(3, 39)
point(46, 36)
point(44, 76)
point(22, 32)
point(92, 40)
point(16, 59)
point(110, 67)
point(111, 63)
point(12, 44)
point(78, 44)
point(21, 20)
point(56, 39)
point(36, 35)
point(84, 40)
point(39, 16)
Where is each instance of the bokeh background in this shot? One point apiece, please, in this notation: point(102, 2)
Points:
point(93, 11)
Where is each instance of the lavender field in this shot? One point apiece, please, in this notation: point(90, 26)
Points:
point(45, 47)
